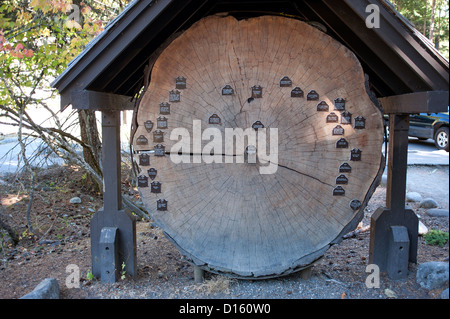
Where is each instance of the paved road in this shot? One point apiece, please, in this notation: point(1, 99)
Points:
point(425, 153)
point(428, 171)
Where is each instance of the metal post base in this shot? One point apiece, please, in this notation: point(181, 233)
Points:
point(199, 275)
point(109, 254)
point(393, 241)
point(306, 273)
point(125, 223)
point(398, 253)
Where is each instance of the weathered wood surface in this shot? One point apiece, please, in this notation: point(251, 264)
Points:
point(230, 218)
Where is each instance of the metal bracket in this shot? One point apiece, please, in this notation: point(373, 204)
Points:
point(125, 239)
point(398, 253)
point(388, 232)
point(109, 254)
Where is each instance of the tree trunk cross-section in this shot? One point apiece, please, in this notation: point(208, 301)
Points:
point(270, 73)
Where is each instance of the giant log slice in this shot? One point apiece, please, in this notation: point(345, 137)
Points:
point(266, 72)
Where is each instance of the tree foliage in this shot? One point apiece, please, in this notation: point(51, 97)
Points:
point(430, 17)
point(38, 38)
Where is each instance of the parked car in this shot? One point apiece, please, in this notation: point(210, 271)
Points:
point(434, 126)
point(430, 126)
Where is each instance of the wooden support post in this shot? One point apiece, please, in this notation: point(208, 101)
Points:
point(112, 196)
point(383, 250)
point(112, 214)
point(397, 161)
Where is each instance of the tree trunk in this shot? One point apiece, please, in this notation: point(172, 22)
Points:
point(438, 35)
point(248, 214)
point(4, 225)
point(433, 13)
point(89, 136)
point(425, 19)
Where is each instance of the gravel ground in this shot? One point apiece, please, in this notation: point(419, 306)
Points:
point(340, 274)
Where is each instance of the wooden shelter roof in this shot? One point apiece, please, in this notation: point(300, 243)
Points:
point(397, 58)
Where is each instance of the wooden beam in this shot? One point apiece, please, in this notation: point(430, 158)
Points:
point(92, 100)
point(419, 102)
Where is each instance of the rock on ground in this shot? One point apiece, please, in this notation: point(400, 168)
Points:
point(444, 294)
point(75, 200)
point(432, 275)
point(428, 203)
point(47, 289)
point(422, 228)
point(437, 212)
point(413, 197)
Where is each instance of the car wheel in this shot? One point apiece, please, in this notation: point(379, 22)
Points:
point(441, 138)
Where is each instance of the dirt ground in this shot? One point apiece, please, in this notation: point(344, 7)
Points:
point(62, 238)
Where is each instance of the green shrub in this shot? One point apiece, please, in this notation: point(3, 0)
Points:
point(436, 237)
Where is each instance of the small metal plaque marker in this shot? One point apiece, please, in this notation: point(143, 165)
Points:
point(141, 140)
point(257, 92)
point(338, 130)
point(174, 96)
point(158, 136)
point(345, 168)
point(257, 125)
point(214, 119)
point(342, 143)
point(160, 150)
point(152, 173)
point(355, 155)
point(142, 181)
point(164, 108)
point(161, 122)
point(322, 107)
point(312, 96)
point(360, 123)
point(180, 82)
point(227, 90)
point(285, 82)
point(338, 191)
point(161, 205)
point(148, 126)
point(332, 118)
point(355, 204)
point(346, 118)
point(342, 180)
point(155, 187)
point(144, 159)
point(339, 104)
point(297, 92)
